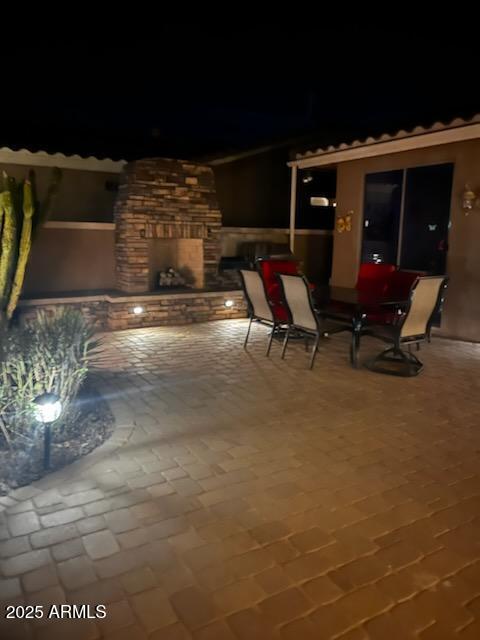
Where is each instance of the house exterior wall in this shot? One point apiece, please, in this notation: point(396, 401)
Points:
point(315, 253)
point(461, 317)
point(255, 191)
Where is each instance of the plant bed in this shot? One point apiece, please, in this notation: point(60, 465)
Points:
point(90, 423)
point(44, 378)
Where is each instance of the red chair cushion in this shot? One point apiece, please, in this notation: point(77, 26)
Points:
point(382, 280)
point(400, 283)
point(268, 269)
point(397, 285)
point(373, 278)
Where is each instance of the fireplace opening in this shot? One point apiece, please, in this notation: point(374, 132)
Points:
point(175, 263)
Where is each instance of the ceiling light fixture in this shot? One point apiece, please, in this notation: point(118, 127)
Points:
point(307, 178)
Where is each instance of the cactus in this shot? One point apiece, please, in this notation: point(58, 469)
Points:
point(9, 244)
point(23, 249)
point(20, 212)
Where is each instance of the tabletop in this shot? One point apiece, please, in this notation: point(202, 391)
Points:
point(355, 298)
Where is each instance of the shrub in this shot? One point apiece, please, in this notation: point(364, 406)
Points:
point(49, 354)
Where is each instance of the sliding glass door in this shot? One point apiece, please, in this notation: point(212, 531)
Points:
point(426, 220)
point(406, 217)
point(381, 218)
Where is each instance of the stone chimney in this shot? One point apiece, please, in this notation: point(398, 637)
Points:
point(162, 200)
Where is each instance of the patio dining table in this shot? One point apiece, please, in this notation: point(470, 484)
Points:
point(350, 307)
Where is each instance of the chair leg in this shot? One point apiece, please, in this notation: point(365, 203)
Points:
point(412, 365)
point(414, 360)
point(354, 349)
point(274, 328)
point(285, 342)
point(314, 350)
point(248, 332)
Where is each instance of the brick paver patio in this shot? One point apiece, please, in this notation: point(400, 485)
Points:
point(246, 498)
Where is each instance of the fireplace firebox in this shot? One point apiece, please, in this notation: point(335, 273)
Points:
point(184, 256)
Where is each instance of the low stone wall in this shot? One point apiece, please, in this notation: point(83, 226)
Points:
point(110, 312)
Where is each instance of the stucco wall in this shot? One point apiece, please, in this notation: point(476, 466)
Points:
point(71, 260)
point(313, 248)
point(315, 253)
point(462, 310)
point(83, 196)
point(83, 259)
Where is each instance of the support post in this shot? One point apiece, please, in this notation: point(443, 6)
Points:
point(293, 207)
point(46, 446)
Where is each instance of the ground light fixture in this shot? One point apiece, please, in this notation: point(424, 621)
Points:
point(47, 408)
point(138, 310)
point(229, 304)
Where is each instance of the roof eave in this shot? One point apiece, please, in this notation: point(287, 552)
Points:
point(44, 159)
point(457, 131)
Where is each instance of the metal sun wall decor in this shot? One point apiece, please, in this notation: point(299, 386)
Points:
point(344, 223)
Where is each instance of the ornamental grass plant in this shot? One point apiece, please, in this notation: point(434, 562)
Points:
point(47, 354)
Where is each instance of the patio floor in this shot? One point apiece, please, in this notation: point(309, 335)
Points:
point(247, 498)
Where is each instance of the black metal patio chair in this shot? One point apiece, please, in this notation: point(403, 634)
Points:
point(259, 308)
point(302, 318)
point(411, 327)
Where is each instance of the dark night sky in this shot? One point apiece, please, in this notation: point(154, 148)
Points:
point(197, 91)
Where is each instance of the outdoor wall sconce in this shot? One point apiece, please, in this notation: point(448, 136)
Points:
point(322, 201)
point(470, 200)
point(319, 201)
point(47, 409)
point(138, 310)
point(344, 223)
point(229, 304)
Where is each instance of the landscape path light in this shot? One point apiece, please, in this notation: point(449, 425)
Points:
point(48, 408)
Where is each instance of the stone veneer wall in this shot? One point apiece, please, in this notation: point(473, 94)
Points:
point(164, 198)
point(112, 313)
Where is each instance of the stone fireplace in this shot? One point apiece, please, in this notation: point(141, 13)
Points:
point(166, 215)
